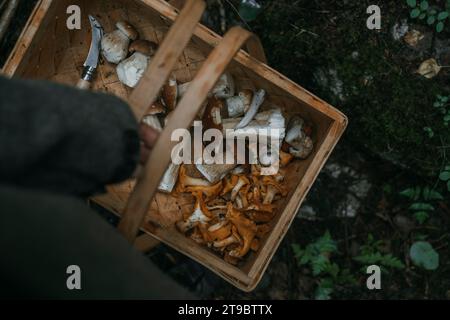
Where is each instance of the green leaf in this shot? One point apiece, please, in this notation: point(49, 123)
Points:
point(412, 3)
point(421, 216)
point(429, 132)
point(249, 10)
point(431, 20)
point(415, 13)
point(409, 193)
point(421, 206)
point(444, 175)
point(424, 5)
point(435, 195)
point(442, 15)
point(424, 256)
point(440, 26)
point(432, 12)
point(422, 16)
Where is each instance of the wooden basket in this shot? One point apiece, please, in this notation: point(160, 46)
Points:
point(192, 52)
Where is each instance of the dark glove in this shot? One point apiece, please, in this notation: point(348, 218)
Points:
point(61, 139)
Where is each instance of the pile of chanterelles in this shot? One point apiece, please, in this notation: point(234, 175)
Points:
point(233, 204)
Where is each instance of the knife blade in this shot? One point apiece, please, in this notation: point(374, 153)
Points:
point(91, 63)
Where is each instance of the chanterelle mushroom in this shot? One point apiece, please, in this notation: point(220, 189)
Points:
point(185, 181)
point(231, 239)
point(115, 44)
point(246, 228)
point(130, 70)
point(273, 187)
point(242, 181)
point(200, 215)
point(211, 192)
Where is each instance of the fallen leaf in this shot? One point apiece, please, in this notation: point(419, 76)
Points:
point(429, 68)
point(413, 37)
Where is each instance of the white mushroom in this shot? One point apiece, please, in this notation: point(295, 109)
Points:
point(115, 44)
point(300, 144)
point(225, 87)
point(239, 105)
point(151, 118)
point(130, 71)
point(257, 101)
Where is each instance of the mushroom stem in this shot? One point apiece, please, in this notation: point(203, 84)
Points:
point(257, 101)
point(241, 182)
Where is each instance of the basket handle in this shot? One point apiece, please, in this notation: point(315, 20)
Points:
point(254, 46)
point(166, 57)
point(148, 181)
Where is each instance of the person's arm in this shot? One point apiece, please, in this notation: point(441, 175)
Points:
point(57, 138)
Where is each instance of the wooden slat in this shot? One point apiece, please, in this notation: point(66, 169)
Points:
point(166, 57)
point(146, 243)
point(189, 106)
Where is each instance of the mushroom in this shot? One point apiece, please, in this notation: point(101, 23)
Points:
point(224, 87)
point(200, 215)
point(256, 202)
point(239, 105)
point(197, 236)
point(300, 143)
point(130, 70)
point(169, 178)
point(273, 188)
point(243, 195)
point(151, 118)
point(256, 103)
point(229, 184)
point(231, 239)
point(210, 192)
point(169, 94)
point(261, 216)
point(285, 158)
point(220, 230)
point(212, 117)
point(115, 44)
point(242, 181)
point(185, 181)
point(246, 228)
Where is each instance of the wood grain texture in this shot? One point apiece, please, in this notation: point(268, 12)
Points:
point(47, 50)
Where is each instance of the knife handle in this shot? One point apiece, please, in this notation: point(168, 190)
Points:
point(83, 84)
point(86, 77)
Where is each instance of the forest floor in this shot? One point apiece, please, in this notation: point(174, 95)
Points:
point(357, 198)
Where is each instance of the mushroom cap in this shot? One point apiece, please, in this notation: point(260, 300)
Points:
point(145, 47)
point(247, 96)
point(156, 108)
point(127, 29)
point(114, 46)
point(212, 117)
point(170, 93)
